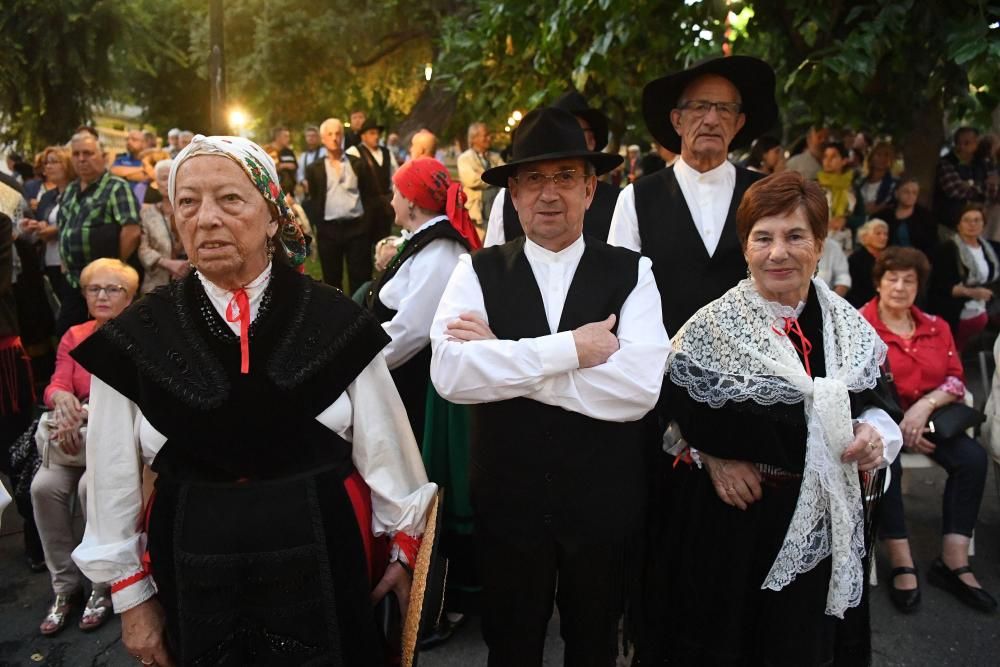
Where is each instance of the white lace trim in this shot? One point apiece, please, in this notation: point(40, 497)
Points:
point(731, 350)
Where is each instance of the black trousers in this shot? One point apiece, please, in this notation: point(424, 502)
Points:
point(344, 240)
point(523, 577)
point(964, 459)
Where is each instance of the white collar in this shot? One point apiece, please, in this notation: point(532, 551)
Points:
point(407, 235)
point(716, 175)
point(256, 285)
point(570, 253)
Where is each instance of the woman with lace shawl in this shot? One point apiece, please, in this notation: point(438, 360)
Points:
point(262, 400)
point(774, 387)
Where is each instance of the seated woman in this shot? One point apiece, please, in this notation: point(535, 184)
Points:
point(774, 388)
point(847, 207)
point(873, 237)
point(108, 285)
point(965, 268)
point(157, 246)
point(928, 375)
point(258, 396)
point(878, 186)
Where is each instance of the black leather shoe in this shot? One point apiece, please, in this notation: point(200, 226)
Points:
point(442, 632)
point(906, 601)
point(942, 576)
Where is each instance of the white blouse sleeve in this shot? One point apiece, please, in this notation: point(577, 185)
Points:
point(414, 296)
point(113, 541)
point(371, 415)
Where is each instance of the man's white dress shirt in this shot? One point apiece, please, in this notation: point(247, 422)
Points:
point(546, 369)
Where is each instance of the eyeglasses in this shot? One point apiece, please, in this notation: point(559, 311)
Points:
point(535, 180)
point(699, 108)
point(111, 290)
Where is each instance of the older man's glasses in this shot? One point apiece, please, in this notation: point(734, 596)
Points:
point(534, 181)
point(111, 290)
point(700, 108)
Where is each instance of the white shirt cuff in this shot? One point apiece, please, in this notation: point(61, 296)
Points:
point(557, 353)
point(133, 595)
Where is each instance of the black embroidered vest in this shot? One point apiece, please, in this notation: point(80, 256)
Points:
point(411, 378)
point(538, 469)
point(176, 358)
point(596, 221)
point(687, 277)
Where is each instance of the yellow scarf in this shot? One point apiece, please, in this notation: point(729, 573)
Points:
point(839, 187)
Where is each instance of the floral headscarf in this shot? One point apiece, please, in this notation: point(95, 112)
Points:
point(260, 169)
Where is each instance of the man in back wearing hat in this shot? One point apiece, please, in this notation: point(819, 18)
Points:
point(504, 224)
point(378, 164)
point(556, 341)
point(479, 195)
point(684, 217)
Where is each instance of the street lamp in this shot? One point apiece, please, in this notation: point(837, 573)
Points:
point(237, 120)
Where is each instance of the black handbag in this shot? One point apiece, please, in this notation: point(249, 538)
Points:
point(953, 419)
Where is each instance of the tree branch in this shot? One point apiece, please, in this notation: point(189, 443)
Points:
point(387, 45)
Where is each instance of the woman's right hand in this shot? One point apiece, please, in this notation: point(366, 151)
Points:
point(737, 483)
point(980, 293)
point(143, 633)
point(67, 407)
point(914, 425)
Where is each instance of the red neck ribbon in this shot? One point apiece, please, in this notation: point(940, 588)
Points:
point(241, 314)
point(802, 345)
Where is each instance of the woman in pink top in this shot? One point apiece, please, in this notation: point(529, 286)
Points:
point(108, 285)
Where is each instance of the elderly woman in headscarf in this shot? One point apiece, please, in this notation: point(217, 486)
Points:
point(774, 389)
point(261, 398)
point(436, 231)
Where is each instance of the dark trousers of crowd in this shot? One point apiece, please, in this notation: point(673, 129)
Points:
point(965, 461)
point(522, 578)
point(340, 241)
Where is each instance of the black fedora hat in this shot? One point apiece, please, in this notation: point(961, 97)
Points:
point(548, 133)
point(370, 124)
point(753, 77)
point(576, 104)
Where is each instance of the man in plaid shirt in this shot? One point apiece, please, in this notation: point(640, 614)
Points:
point(963, 177)
point(98, 217)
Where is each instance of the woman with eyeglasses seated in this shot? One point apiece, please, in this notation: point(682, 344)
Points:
point(928, 375)
point(108, 286)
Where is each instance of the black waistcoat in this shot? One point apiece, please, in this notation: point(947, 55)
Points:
point(173, 356)
point(538, 469)
point(685, 274)
point(377, 185)
point(596, 221)
point(411, 377)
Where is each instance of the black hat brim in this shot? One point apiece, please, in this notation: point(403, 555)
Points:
point(603, 163)
point(753, 77)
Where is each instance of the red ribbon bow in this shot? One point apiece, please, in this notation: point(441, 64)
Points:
point(803, 346)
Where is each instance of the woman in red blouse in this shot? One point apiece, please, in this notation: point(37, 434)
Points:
point(108, 286)
point(928, 374)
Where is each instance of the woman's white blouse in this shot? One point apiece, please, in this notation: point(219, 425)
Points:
point(369, 414)
point(414, 293)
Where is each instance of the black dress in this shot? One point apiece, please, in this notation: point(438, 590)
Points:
point(252, 539)
point(713, 611)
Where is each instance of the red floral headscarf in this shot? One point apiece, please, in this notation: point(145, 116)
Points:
point(426, 183)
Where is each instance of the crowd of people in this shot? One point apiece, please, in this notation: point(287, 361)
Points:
point(620, 369)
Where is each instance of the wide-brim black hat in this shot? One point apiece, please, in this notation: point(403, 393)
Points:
point(548, 133)
point(370, 124)
point(576, 104)
point(753, 77)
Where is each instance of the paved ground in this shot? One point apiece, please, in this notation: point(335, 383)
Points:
point(942, 633)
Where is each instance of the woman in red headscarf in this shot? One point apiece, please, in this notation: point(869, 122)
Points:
point(436, 231)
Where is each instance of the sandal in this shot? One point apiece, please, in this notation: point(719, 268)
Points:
point(61, 607)
point(96, 612)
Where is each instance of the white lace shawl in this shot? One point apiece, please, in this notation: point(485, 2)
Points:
point(729, 351)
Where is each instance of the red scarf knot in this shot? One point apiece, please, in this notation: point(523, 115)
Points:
point(802, 345)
